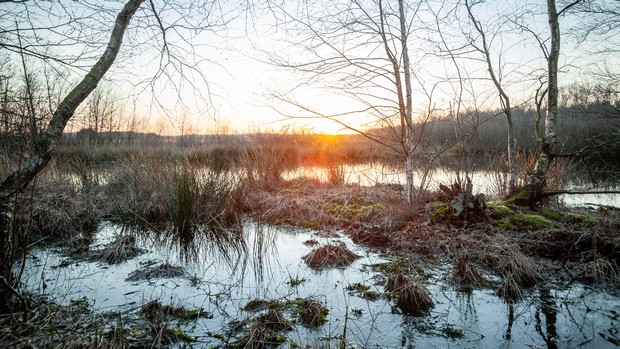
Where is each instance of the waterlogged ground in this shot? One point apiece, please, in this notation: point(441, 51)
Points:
point(556, 316)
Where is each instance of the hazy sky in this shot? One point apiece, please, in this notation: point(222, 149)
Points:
point(219, 76)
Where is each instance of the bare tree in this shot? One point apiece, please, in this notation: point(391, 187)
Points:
point(483, 47)
point(548, 144)
point(71, 36)
point(360, 50)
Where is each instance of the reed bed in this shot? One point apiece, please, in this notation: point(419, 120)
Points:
point(57, 210)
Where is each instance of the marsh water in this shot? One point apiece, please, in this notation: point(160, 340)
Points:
point(484, 180)
point(553, 315)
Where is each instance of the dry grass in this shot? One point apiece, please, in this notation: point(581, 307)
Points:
point(602, 271)
point(152, 193)
point(311, 204)
point(411, 297)
point(72, 326)
point(518, 270)
point(122, 249)
point(336, 255)
point(155, 311)
point(312, 313)
point(264, 331)
point(163, 270)
point(465, 273)
point(58, 210)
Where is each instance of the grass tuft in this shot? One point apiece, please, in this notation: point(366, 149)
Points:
point(163, 270)
point(411, 297)
point(122, 249)
point(327, 256)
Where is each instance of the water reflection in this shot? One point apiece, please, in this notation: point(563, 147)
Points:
point(222, 285)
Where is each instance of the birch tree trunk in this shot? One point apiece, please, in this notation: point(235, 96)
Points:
point(408, 125)
point(16, 182)
point(548, 145)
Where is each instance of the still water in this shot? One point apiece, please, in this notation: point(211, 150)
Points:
point(489, 182)
point(552, 316)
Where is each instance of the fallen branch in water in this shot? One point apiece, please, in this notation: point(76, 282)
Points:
point(560, 192)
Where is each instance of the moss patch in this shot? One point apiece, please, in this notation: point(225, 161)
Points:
point(505, 223)
point(502, 210)
point(532, 221)
point(550, 214)
point(353, 209)
point(520, 199)
point(578, 218)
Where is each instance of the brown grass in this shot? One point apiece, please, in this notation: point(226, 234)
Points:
point(311, 313)
point(120, 250)
point(264, 331)
point(309, 203)
point(327, 256)
point(57, 210)
point(411, 297)
point(163, 270)
point(465, 274)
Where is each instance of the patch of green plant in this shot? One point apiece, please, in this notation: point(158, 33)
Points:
point(502, 210)
point(216, 336)
point(357, 287)
point(505, 223)
point(363, 291)
point(296, 281)
point(452, 332)
point(397, 263)
point(521, 198)
point(578, 218)
point(370, 295)
point(352, 209)
point(532, 221)
point(550, 214)
point(180, 335)
point(442, 211)
point(310, 312)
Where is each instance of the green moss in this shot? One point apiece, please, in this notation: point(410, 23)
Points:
point(182, 335)
point(533, 221)
point(353, 209)
point(503, 210)
point(357, 287)
point(521, 198)
point(505, 223)
point(578, 218)
point(436, 204)
point(442, 211)
point(370, 295)
point(551, 214)
point(398, 263)
point(452, 332)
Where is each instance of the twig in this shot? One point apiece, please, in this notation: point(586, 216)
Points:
point(19, 295)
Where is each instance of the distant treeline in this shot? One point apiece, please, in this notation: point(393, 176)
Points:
point(594, 127)
point(587, 126)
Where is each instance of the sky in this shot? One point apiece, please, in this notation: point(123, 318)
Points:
point(221, 76)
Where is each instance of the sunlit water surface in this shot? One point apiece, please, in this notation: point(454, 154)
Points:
point(558, 316)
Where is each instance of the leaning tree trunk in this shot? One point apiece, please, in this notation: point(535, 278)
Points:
point(17, 181)
point(538, 179)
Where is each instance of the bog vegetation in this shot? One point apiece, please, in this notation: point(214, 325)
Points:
point(72, 161)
